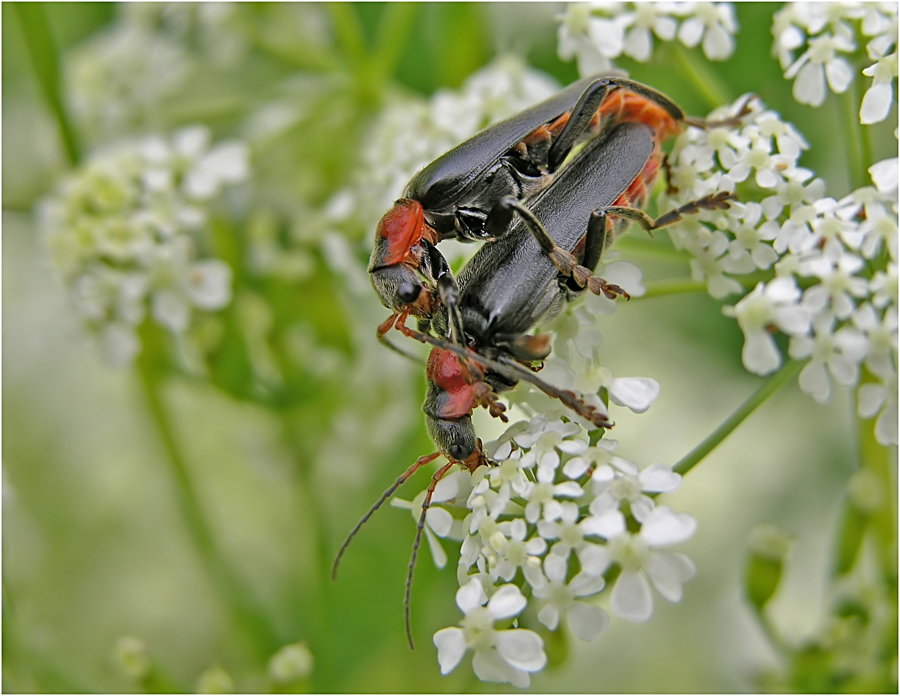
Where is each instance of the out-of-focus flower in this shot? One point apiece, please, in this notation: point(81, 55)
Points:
point(124, 234)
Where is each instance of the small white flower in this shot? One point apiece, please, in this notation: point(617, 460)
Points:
point(875, 398)
point(544, 438)
point(644, 562)
point(622, 481)
point(836, 353)
point(818, 63)
point(877, 101)
point(500, 655)
point(772, 304)
point(712, 22)
point(587, 621)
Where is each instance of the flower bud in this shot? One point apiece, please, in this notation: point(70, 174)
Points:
point(132, 655)
point(292, 663)
point(762, 574)
point(215, 680)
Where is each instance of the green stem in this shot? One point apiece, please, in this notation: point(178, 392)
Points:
point(680, 286)
point(349, 31)
point(707, 83)
point(877, 459)
point(765, 623)
point(246, 609)
point(853, 138)
point(318, 608)
point(45, 58)
point(393, 33)
point(772, 385)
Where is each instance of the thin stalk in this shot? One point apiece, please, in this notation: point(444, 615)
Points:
point(853, 138)
point(246, 610)
point(393, 32)
point(44, 55)
point(765, 623)
point(679, 286)
point(772, 385)
point(707, 83)
point(319, 603)
point(349, 31)
point(877, 459)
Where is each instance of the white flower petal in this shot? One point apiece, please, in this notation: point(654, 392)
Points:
point(760, 354)
point(839, 74)
point(522, 648)
point(506, 602)
point(549, 616)
point(871, 397)
point(631, 599)
point(470, 595)
point(439, 520)
point(607, 525)
point(637, 393)
point(665, 527)
point(886, 426)
point(587, 621)
point(451, 646)
point(668, 571)
point(809, 87)
point(659, 478)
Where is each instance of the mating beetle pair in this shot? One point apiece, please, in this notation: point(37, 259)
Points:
point(532, 266)
point(460, 194)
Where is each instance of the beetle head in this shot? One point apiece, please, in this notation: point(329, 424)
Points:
point(448, 410)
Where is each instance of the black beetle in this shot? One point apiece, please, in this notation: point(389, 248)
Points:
point(459, 194)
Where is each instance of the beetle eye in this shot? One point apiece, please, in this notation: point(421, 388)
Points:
point(408, 292)
point(458, 452)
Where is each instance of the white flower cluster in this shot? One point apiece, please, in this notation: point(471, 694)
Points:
point(827, 34)
point(410, 133)
point(549, 522)
point(122, 232)
point(596, 33)
point(832, 264)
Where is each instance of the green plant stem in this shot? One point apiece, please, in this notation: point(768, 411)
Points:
point(393, 33)
point(707, 83)
point(680, 286)
point(45, 59)
point(768, 628)
point(246, 610)
point(772, 385)
point(852, 137)
point(318, 608)
point(877, 459)
point(349, 31)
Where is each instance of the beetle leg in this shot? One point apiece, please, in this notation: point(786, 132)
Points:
point(382, 337)
point(509, 369)
point(713, 201)
point(579, 121)
point(732, 122)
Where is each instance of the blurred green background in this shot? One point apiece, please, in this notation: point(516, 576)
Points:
point(96, 544)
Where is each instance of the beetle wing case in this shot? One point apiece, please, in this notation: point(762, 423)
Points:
point(444, 182)
point(511, 285)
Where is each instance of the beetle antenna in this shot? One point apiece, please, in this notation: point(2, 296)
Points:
point(438, 475)
point(420, 462)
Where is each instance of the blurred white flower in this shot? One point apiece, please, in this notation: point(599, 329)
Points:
point(123, 234)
